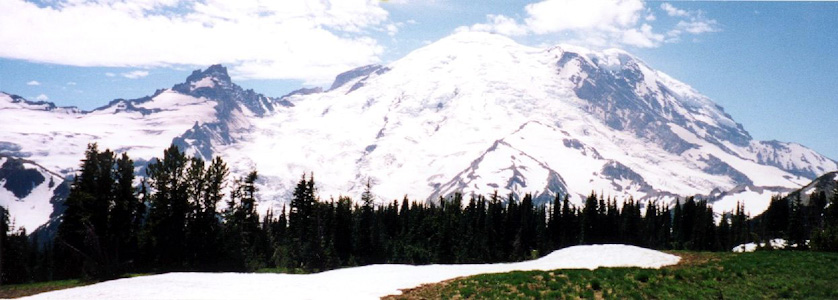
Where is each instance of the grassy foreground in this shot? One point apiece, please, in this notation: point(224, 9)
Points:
point(700, 275)
point(28, 289)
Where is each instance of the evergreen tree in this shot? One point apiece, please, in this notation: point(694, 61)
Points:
point(169, 210)
point(205, 228)
point(15, 250)
point(630, 223)
point(775, 220)
point(724, 233)
point(124, 213)
point(569, 226)
point(343, 230)
point(796, 230)
point(525, 236)
point(4, 242)
point(366, 237)
point(90, 235)
point(245, 240)
point(303, 243)
point(740, 226)
point(556, 222)
point(591, 220)
point(495, 228)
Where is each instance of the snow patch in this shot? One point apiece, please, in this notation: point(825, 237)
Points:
point(751, 247)
point(206, 82)
point(368, 282)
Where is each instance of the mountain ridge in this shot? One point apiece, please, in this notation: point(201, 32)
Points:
point(471, 113)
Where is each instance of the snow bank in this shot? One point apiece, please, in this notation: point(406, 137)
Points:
point(751, 247)
point(368, 282)
point(775, 244)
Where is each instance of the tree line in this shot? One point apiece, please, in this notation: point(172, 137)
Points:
point(190, 215)
point(812, 225)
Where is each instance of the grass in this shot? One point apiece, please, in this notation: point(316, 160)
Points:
point(8, 291)
point(28, 289)
point(700, 275)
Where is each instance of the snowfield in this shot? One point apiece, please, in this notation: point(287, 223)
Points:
point(368, 282)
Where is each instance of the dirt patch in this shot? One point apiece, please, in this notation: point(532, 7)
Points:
point(23, 290)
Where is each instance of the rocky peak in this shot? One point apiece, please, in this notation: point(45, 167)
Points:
point(347, 76)
point(215, 83)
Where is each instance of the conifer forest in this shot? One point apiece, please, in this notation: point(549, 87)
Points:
point(188, 214)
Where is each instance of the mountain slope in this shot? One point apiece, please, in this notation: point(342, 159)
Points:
point(29, 191)
point(471, 113)
point(205, 110)
point(477, 113)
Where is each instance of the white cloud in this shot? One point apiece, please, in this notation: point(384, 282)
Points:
point(135, 74)
point(109, 74)
point(42, 97)
point(599, 23)
point(643, 38)
point(498, 24)
point(293, 39)
point(392, 29)
point(551, 16)
point(693, 22)
point(698, 26)
point(672, 11)
point(33, 82)
point(71, 83)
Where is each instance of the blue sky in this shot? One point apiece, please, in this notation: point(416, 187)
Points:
point(771, 65)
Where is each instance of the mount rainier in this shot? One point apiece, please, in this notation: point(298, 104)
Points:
point(471, 113)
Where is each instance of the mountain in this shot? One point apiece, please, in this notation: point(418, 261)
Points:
point(29, 191)
point(206, 108)
point(471, 113)
point(827, 184)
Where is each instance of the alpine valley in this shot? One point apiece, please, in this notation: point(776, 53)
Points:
point(471, 113)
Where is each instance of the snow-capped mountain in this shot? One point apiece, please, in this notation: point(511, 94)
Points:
point(827, 184)
point(29, 191)
point(471, 113)
point(207, 108)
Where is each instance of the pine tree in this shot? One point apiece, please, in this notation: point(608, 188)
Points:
point(343, 230)
point(366, 239)
point(87, 244)
point(4, 242)
point(630, 223)
point(253, 242)
point(170, 207)
point(724, 233)
point(678, 226)
point(739, 226)
point(524, 238)
point(205, 229)
point(123, 233)
point(495, 228)
point(796, 230)
point(302, 226)
point(650, 225)
point(570, 226)
point(555, 224)
point(775, 221)
point(591, 213)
